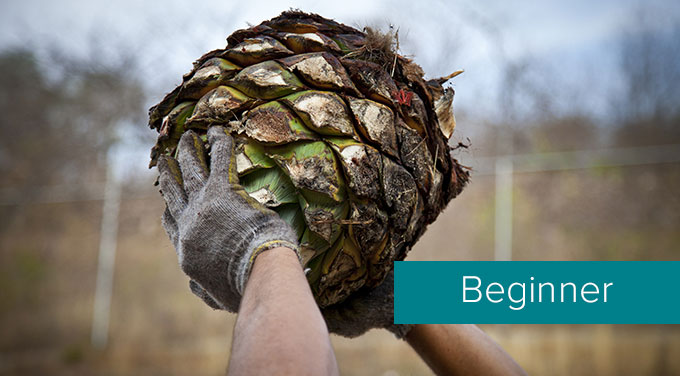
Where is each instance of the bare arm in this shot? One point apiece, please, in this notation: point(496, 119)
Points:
point(461, 350)
point(242, 256)
point(279, 329)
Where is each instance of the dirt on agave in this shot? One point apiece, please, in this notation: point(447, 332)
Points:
point(353, 126)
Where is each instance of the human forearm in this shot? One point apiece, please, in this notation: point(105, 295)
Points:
point(279, 328)
point(461, 350)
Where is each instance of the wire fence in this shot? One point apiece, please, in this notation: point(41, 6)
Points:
point(503, 168)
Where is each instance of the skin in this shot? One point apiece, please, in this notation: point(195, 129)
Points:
point(280, 330)
point(461, 350)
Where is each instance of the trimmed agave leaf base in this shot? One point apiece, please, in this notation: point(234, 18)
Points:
point(351, 151)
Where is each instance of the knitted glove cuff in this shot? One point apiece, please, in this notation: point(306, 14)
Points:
point(249, 258)
point(230, 299)
point(277, 234)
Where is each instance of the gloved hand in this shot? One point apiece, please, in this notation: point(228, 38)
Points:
point(216, 227)
point(365, 310)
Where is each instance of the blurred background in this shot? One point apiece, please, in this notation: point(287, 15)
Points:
point(568, 114)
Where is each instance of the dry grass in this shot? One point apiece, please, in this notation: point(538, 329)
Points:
point(49, 254)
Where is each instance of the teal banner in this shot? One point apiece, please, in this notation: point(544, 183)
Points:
point(537, 292)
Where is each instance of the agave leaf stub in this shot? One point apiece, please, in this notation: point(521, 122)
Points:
point(309, 42)
point(321, 70)
point(415, 225)
point(324, 219)
point(368, 226)
point(444, 110)
point(373, 81)
point(224, 64)
point(270, 187)
point(208, 76)
point(376, 123)
point(342, 271)
point(415, 156)
point(312, 245)
point(266, 80)
point(361, 164)
point(323, 112)
point(256, 50)
point(157, 112)
point(415, 114)
point(349, 42)
point(172, 128)
point(274, 123)
point(250, 156)
point(381, 259)
point(292, 214)
point(311, 166)
point(294, 26)
point(401, 193)
point(218, 106)
point(434, 196)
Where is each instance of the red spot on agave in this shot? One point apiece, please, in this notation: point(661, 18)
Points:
point(403, 97)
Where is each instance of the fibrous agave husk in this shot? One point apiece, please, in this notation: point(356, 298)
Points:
point(334, 131)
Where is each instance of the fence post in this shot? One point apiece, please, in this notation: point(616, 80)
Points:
point(107, 255)
point(503, 210)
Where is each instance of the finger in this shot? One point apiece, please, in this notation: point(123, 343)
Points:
point(192, 159)
point(170, 226)
point(170, 181)
point(222, 161)
point(199, 291)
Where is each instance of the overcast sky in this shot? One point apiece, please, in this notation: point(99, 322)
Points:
point(443, 35)
point(571, 39)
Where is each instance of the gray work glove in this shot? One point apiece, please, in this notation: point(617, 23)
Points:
point(365, 310)
point(216, 227)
